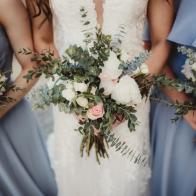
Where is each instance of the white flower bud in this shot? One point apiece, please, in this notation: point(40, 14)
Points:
point(69, 94)
point(83, 102)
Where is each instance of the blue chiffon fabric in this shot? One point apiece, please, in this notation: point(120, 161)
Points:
point(24, 164)
point(173, 145)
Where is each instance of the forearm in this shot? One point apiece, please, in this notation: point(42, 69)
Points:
point(16, 96)
point(40, 45)
point(160, 17)
point(159, 55)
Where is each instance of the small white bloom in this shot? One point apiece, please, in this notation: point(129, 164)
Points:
point(111, 67)
point(69, 94)
point(194, 67)
point(127, 91)
point(2, 78)
point(2, 90)
point(80, 87)
point(187, 71)
point(144, 68)
point(93, 90)
point(71, 61)
point(83, 102)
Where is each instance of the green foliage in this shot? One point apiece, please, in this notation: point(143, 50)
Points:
point(6, 86)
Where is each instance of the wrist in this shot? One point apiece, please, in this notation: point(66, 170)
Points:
point(176, 96)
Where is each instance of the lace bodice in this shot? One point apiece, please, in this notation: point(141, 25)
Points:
point(127, 13)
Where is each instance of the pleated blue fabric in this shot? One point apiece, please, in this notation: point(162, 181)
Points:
point(24, 164)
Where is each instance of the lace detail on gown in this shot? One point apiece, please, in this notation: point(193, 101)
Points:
point(116, 176)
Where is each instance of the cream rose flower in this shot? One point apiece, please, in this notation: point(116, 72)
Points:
point(127, 91)
point(80, 87)
point(83, 102)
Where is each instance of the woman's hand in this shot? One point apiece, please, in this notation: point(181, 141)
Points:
point(159, 12)
point(190, 117)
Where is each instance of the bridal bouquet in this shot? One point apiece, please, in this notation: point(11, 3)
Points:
point(98, 84)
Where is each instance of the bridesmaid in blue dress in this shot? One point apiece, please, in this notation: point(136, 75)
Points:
point(173, 144)
point(24, 165)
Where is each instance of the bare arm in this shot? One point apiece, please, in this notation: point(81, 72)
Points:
point(16, 24)
point(41, 26)
point(160, 16)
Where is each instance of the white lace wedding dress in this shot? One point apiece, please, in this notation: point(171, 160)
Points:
point(116, 176)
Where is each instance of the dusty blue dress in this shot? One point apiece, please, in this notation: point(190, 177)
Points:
point(24, 165)
point(173, 144)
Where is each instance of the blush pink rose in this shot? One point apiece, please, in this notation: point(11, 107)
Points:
point(96, 112)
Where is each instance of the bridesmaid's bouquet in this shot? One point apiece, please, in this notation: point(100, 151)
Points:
point(189, 69)
point(5, 86)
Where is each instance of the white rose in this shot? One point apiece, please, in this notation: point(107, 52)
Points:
point(126, 91)
point(144, 68)
point(83, 102)
point(80, 87)
point(69, 94)
point(111, 67)
point(108, 86)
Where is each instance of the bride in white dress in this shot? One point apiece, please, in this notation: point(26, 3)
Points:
point(116, 176)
